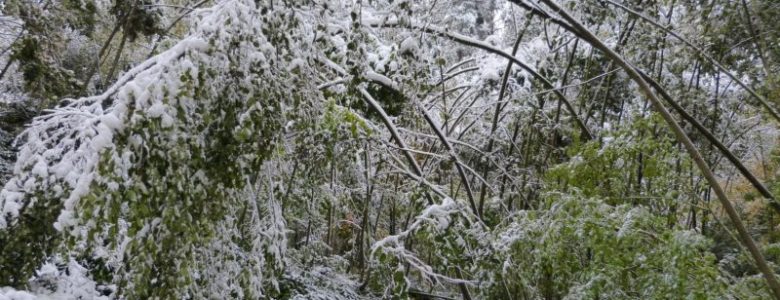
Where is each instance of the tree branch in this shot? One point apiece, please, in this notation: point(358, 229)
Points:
point(683, 138)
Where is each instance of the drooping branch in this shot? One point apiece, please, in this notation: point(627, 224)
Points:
point(724, 150)
point(453, 156)
point(714, 141)
point(374, 105)
point(683, 138)
point(459, 165)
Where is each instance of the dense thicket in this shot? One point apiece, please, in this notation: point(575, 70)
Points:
point(261, 149)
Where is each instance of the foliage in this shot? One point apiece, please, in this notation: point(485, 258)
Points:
point(583, 248)
point(259, 149)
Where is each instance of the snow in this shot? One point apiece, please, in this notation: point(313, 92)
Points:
point(51, 283)
point(409, 45)
point(156, 110)
point(65, 153)
point(40, 169)
point(7, 293)
point(628, 222)
point(439, 216)
point(491, 69)
point(373, 76)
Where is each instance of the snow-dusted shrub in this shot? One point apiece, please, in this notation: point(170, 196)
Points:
point(583, 248)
